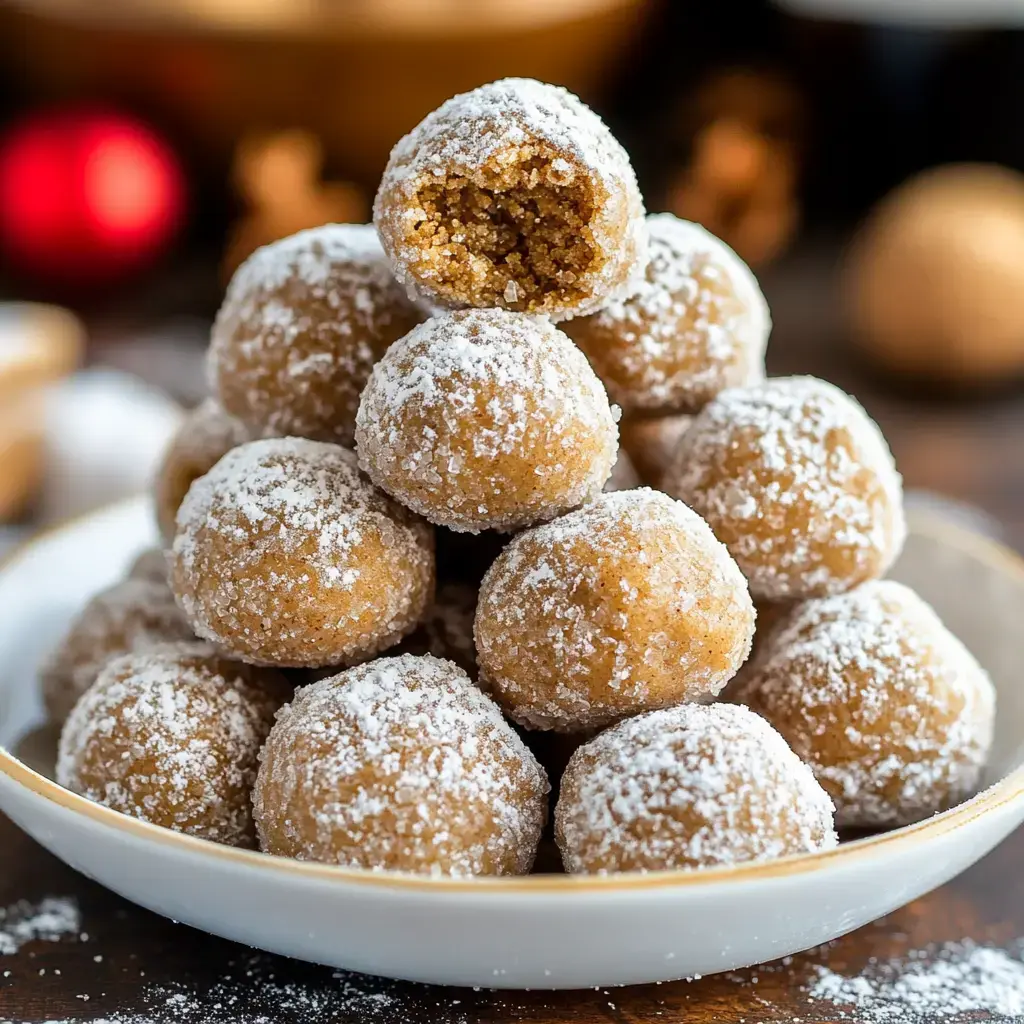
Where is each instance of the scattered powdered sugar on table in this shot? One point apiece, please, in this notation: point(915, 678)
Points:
point(954, 983)
point(50, 920)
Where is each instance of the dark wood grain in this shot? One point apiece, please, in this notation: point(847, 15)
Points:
point(133, 962)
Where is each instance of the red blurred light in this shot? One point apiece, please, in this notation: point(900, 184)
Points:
point(86, 195)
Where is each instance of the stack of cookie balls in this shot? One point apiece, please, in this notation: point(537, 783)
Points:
point(410, 583)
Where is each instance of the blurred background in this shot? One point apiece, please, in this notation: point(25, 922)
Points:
point(866, 157)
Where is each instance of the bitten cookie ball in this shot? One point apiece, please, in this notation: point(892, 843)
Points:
point(287, 555)
point(485, 419)
point(697, 325)
point(890, 710)
point(798, 482)
point(302, 324)
point(628, 604)
point(130, 616)
point(514, 195)
point(688, 787)
point(400, 764)
point(205, 436)
point(172, 736)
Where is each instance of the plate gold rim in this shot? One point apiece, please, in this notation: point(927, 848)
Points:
point(1007, 791)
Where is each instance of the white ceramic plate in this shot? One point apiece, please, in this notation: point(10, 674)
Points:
point(546, 931)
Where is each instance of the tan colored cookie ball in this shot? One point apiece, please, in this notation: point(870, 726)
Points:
point(130, 616)
point(151, 565)
point(625, 605)
point(798, 482)
point(302, 324)
point(287, 555)
point(400, 764)
point(172, 736)
point(651, 443)
point(485, 419)
point(205, 436)
point(889, 709)
point(514, 195)
point(688, 787)
point(447, 628)
point(697, 324)
point(932, 280)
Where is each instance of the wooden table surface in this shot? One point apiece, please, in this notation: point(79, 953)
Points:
point(131, 966)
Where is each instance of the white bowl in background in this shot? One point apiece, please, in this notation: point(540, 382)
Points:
point(545, 931)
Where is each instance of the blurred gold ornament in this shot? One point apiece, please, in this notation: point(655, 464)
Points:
point(38, 345)
point(932, 283)
point(740, 182)
point(278, 177)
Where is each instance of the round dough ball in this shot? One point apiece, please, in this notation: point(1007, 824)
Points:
point(447, 628)
point(688, 787)
point(150, 565)
point(205, 436)
point(485, 419)
point(130, 616)
point(302, 324)
point(626, 605)
point(889, 709)
point(933, 279)
point(652, 444)
point(697, 325)
point(798, 482)
point(287, 555)
point(172, 736)
point(514, 195)
point(400, 764)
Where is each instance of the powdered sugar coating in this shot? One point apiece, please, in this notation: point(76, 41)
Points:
point(132, 615)
point(688, 787)
point(400, 764)
point(204, 437)
point(303, 321)
point(628, 604)
point(485, 419)
point(285, 554)
point(890, 710)
point(696, 325)
point(172, 736)
point(798, 482)
point(515, 134)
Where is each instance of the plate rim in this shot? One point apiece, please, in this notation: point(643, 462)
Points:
point(1007, 791)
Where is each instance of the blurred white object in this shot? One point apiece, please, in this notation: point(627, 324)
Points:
point(105, 433)
point(923, 13)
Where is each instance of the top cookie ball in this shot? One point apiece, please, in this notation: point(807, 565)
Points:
point(797, 481)
point(513, 195)
point(698, 324)
point(303, 321)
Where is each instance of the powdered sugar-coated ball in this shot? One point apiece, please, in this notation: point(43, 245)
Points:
point(889, 709)
point(287, 555)
point(400, 764)
point(485, 419)
point(132, 615)
point(797, 480)
point(698, 324)
point(172, 736)
point(652, 443)
point(514, 195)
point(151, 565)
point(688, 787)
point(205, 436)
point(628, 604)
point(447, 627)
point(303, 321)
